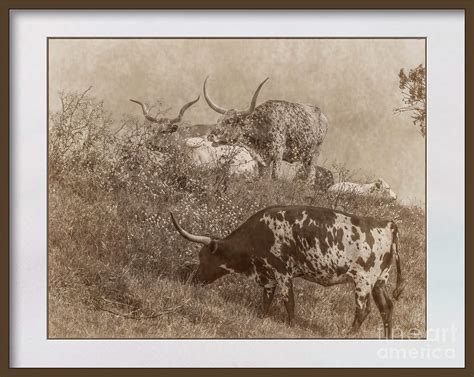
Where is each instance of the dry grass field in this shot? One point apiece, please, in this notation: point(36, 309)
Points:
point(116, 262)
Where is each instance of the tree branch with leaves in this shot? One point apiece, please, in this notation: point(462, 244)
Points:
point(413, 87)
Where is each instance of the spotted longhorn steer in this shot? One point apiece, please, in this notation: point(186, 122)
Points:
point(277, 130)
point(321, 245)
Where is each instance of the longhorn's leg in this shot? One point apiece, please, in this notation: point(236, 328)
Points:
point(277, 151)
point(268, 293)
point(277, 168)
point(362, 296)
point(268, 171)
point(286, 286)
point(385, 306)
point(313, 163)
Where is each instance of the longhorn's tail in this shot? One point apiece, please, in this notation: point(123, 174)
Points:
point(395, 248)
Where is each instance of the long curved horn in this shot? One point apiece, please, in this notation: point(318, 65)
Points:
point(253, 103)
point(145, 111)
point(191, 237)
point(143, 106)
point(183, 110)
point(211, 104)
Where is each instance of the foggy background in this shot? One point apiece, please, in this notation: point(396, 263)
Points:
point(353, 81)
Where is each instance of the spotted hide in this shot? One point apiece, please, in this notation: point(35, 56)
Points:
point(277, 130)
point(321, 245)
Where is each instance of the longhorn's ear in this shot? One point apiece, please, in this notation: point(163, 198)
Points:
point(213, 247)
point(374, 187)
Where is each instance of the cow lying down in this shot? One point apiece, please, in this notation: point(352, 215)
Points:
point(321, 245)
point(203, 152)
point(378, 189)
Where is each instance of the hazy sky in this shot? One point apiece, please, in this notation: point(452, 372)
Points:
point(353, 81)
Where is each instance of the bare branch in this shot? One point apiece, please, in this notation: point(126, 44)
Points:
point(130, 315)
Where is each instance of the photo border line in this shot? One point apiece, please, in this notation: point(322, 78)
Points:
point(243, 38)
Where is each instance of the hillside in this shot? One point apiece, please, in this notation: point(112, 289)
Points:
point(117, 267)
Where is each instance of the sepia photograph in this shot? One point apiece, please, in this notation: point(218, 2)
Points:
point(236, 188)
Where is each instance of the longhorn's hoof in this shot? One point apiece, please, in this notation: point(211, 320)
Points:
point(351, 332)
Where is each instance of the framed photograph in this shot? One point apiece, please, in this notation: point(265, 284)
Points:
point(247, 188)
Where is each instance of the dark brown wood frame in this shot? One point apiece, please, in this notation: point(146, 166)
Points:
point(7, 5)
